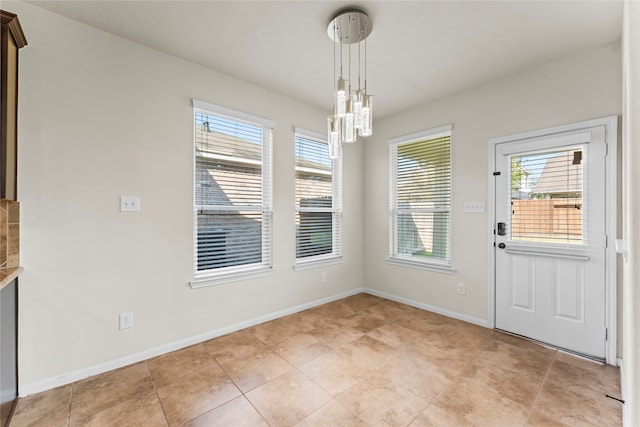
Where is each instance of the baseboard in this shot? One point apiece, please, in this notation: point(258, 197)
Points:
point(434, 309)
point(77, 375)
point(50, 383)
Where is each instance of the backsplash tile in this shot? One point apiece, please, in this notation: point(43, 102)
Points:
point(9, 233)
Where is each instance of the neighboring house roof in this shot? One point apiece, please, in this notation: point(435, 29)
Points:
point(309, 166)
point(560, 175)
point(213, 144)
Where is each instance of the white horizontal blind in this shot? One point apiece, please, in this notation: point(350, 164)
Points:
point(318, 200)
point(232, 195)
point(421, 200)
point(546, 196)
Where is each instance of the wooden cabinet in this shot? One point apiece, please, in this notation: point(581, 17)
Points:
point(11, 40)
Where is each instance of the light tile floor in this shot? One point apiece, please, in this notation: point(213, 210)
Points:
point(359, 361)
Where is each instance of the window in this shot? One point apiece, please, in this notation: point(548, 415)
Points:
point(232, 195)
point(318, 201)
point(421, 199)
point(546, 196)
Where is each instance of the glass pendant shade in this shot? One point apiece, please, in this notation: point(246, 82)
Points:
point(357, 110)
point(341, 97)
point(335, 149)
point(335, 142)
point(367, 116)
point(348, 127)
point(333, 130)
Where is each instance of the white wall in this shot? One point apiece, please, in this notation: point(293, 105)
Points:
point(580, 87)
point(631, 201)
point(102, 117)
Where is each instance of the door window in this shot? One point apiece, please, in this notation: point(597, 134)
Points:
point(546, 196)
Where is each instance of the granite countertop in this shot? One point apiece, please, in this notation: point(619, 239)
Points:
point(8, 274)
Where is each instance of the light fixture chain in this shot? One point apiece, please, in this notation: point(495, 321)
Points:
point(365, 55)
point(359, 44)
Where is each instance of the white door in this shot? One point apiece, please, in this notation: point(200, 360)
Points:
point(551, 239)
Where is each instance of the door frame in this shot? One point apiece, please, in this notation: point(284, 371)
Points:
point(611, 216)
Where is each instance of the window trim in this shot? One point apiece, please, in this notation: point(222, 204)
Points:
point(229, 113)
point(212, 277)
point(394, 257)
point(336, 255)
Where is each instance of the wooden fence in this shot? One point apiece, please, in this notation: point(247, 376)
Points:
point(552, 219)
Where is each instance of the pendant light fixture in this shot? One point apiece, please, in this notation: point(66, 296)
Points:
point(352, 113)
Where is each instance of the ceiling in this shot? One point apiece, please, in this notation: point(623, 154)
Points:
point(418, 51)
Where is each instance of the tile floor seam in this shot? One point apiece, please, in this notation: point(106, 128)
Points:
point(544, 381)
point(312, 380)
point(73, 386)
point(229, 376)
point(272, 379)
point(510, 345)
point(475, 356)
point(254, 407)
point(407, 390)
point(333, 399)
point(421, 409)
point(155, 390)
point(298, 373)
point(451, 381)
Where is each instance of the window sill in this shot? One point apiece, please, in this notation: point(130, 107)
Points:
point(213, 279)
point(306, 265)
point(439, 268)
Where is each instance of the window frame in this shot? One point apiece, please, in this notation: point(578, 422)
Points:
point(209, 277)
point(336, 255)
point(395, 258)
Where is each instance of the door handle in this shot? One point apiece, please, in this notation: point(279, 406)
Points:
point(502, 245)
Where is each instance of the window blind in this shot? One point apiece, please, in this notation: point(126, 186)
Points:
point(546, 196)
point(318, 200)
point(232, 195)
point(421, 199)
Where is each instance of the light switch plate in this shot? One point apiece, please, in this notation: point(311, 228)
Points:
point(129, 204)
point(474, 207)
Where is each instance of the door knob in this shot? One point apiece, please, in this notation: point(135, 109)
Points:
point(502, 245)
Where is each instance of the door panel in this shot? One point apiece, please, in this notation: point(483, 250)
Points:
point(568, 291)
point(550, 265)
point(522, 282)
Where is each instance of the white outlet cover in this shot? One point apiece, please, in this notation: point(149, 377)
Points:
point(462, 289)
point(126, 320)
point(129, 204)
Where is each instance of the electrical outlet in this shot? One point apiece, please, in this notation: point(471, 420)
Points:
point(462, 289)
point(129, 204)
point(323, 276)
point(126, 320)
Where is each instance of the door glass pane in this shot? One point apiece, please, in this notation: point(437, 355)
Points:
point(546, 196)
